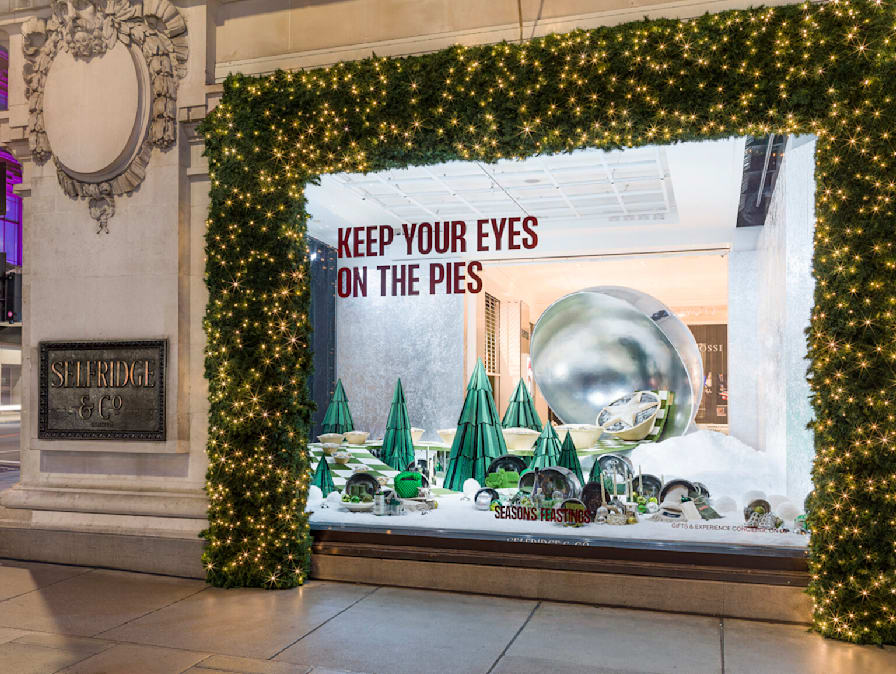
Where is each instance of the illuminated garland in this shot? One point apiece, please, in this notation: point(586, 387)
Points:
point(825, 69)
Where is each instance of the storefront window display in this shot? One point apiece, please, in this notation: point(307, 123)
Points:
point(537, 376)
point(819, 70)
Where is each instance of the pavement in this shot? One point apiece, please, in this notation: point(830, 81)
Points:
point(56, 618)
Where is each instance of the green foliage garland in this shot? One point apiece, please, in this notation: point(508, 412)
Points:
point(825, 69)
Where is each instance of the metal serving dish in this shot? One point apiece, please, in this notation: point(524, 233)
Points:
point(693, 492)
point(507, 462)
point(551, 479)
point(367, 480)
point(616, 463)
point(652, 486)
point(484, 497)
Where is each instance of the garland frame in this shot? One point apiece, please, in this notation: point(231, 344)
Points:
point(824, 69)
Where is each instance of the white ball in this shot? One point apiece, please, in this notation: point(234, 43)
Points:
point(334, 498)
point(787, 511)
point(774, 500)
point(315, 494)
point(725, 504)
point(751, 496)
point(471, 486)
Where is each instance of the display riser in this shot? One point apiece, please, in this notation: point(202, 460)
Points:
point(761, 589)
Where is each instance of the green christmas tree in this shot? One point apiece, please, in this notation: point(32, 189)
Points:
point(569, 458)
point(338, 418)
point(398, 445)
point(322, 476)
point(521, 410)
point(479, 439)
point(547, 449)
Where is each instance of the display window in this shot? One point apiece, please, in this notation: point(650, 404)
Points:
point(590, 348)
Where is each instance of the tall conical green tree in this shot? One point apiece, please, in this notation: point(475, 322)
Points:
point(398, 445)
point(323, 478)
point(479, 439)
point(547, 449)
point(338, 418)
point(521, 411)
point(569, 458)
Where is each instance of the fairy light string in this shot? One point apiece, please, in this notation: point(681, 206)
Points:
point(823, 69)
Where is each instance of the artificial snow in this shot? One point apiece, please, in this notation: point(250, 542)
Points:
point(727, 466)
point(456, 513)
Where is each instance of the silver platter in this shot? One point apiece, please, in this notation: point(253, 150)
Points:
point(596, 345)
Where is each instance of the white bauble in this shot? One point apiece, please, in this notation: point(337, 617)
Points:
point(774, 500)
point(786, 511)
point(725, 504)
point(471, 486)
point(753, 495)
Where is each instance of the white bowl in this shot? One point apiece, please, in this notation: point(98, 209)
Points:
point(519, 438)
point(447, 435)
point(330, 448)
point(342, 458)
point(584, 436)
point(356, 437)
point(358, 507)
point(336, 438)
point(416, 434)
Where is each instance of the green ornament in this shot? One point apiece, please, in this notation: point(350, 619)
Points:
point(338, 418)
point(547, 449)
point(479, 439)
point(521, 411)
point(322, 477)
point(398, 445)
point(569, 458)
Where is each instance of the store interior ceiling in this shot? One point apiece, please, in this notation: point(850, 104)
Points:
point(655, 199)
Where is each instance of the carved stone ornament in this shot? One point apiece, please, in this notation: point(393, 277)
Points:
point(101, 81)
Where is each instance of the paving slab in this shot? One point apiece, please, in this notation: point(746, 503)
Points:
point(93, 602)
point(40, 653)
point(22, 577)
point(9, 633)
point(251, 623)
point(767, 647)
point(590, 638)
point(64, 642)
point(397, 630)
point(514, 664)
point(230, 663)
point(27, 659)
point(136, 659)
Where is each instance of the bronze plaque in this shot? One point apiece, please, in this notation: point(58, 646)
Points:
point(102, 390)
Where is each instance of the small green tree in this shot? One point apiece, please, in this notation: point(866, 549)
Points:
point(569, 458)
point(338, 418)
point(547, 449)
point(322, 477)
point(398, 444)
point(521, 411)
point(479, 439)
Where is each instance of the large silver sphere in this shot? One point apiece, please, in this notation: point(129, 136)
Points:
point(596, 345)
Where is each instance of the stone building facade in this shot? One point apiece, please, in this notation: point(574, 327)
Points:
point(104, 101)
